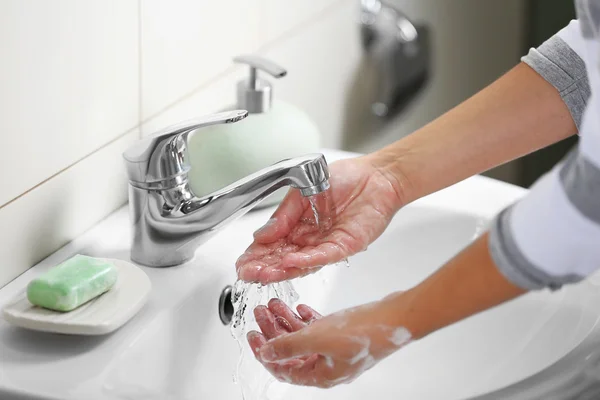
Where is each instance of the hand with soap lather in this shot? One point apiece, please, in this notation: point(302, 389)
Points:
point(309, 350)
point(363, 198)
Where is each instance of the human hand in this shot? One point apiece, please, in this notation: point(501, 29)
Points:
point(363, 200)
point(275, 320)
point(324, 352)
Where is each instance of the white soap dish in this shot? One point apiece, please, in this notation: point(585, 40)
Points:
point(99, 316)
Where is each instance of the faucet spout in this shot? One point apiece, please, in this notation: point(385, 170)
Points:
point(170, 224)
point(309, 174)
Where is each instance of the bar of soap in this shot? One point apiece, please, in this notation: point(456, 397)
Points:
point(72, 283)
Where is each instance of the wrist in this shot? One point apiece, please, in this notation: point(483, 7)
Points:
point(392, 163)
point(468, 284)
point(398, 310)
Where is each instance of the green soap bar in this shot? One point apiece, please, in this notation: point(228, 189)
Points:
point(72, 283)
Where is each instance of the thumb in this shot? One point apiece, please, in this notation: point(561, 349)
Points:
point(283, 220)
point(286, 347)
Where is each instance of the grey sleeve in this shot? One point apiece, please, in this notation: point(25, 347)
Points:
point(551, 237)
point(514, 265)
point(566, 231)
point(562, 67)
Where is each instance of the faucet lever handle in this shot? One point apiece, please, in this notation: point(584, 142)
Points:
point(162, 155)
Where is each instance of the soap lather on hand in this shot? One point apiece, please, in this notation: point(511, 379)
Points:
point(72, 283)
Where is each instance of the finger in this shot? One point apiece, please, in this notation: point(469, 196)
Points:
point(267, 275)
point(310, 362)
point(298, 374)
point(284, 324)
point(286, 347)
point(269, 260)
point(284, 219)
point(315, 371)
point(308, 314)
point(256, 340)
point(281, 370)
point(280, 309)
point(257, 251)
point(251, 271)
point(323, 254)
point(253, 252)
point(267, 323)
point(258, 257)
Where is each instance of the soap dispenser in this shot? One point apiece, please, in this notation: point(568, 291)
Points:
point(273, 131)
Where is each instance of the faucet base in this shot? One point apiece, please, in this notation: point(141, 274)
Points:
point(146, 262)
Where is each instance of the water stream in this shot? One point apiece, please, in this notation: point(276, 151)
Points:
point(254, 381)
point(322, 207)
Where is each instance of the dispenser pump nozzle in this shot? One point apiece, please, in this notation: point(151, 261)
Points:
point(255, 94)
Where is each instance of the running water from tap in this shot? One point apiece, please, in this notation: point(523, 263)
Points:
point(254, 382)
point(322, 208)
point(324, 212)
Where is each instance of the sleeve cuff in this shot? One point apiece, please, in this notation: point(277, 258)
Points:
point(564, 69)
point(512, 263)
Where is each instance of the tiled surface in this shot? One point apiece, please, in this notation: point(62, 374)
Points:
point(69, 80)
point(214, 97)
point(62, 208)
point(186, 43)
point(278, 17)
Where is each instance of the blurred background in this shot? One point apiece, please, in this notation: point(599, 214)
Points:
point(80, 80)
point(472, 43)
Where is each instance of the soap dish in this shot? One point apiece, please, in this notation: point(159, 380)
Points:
point(99, 316)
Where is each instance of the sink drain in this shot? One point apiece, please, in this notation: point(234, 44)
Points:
point(226, 306)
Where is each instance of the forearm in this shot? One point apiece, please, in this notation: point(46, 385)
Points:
point(514, 116)
point(466, 285)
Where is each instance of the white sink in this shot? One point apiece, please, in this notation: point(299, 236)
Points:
point(177, 347)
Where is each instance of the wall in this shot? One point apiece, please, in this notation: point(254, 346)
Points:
point(80, 80)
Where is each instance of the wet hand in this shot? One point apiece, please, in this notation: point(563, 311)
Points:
point(362, 200)
point(276, 320)
point(327, 351)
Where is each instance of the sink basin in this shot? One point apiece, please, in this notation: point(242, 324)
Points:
point(177, 347)
point(484, 353)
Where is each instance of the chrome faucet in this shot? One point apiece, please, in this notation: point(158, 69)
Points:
point(169, 221)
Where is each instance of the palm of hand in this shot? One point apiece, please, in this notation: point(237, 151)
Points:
point(362, 200)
